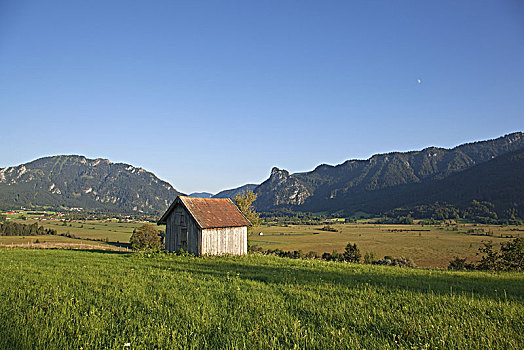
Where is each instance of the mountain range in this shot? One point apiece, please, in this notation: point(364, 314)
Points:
point(72, 181)
point(386, 181)
point(233, 192)
point(489, 170)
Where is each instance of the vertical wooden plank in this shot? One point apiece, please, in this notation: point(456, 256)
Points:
point(171, 224)
point(215, 242)
point(240, 241)
point(220, 241)
point(225, 240)
point(237, 241)
point(176, 233)
point(199, 242)
point(244, 240)
point(203, 244)
point(166, 238)
point(233, 240)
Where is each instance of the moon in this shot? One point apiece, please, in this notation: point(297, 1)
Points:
point(419, 81)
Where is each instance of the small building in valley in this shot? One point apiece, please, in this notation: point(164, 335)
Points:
point(205, 226)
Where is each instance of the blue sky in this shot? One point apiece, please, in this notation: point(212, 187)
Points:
point(211, 95)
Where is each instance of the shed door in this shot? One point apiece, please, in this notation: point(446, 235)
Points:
point(181, 232)
point(182, 236)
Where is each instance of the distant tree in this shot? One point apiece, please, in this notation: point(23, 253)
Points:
point(482, 212)
point(311, 255)
point(406, 220)
point(146, 237)
point(460, 264)
point(352, 253)
point(329, 228)
point(512, 255)
point(17, 229)
point(391, 261)
point(370, 258)
point(244, 202)
point(326, 256)
point(512, 217)
point(334, 256)
point(490, 259)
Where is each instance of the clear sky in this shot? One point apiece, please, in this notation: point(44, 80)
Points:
point(211, 95)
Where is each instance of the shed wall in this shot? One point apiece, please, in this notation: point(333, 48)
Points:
point(227, 240)
point(182, 232)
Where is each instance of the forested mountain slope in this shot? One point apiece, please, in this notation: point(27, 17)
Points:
point(91, 184)
point(342, 187)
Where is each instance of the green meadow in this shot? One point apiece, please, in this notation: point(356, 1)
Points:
point(112, 231)
point(54, 241)
point(86, 231)
point(429, 246)
point(90, 299)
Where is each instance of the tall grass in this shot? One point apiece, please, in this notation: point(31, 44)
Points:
point(85, 299)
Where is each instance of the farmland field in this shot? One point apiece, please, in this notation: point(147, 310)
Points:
point(52, 241)
point(96, 229)
point(65, 299)
point(113, 231)
point(428, 246)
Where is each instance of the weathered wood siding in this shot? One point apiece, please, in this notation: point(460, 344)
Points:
point(228, 240)
point(182, 232)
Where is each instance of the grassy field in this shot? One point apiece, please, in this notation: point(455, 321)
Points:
point(59, 242)
point(107, 230)
point(71, 299)
point(428, 246)
point(112, 231)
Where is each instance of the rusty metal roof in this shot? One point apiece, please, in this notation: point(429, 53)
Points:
point(210, 212)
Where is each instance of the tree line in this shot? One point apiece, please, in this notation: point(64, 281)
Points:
point(17, 229)
point(350, 254)
point(510, 257)
point(482, 212)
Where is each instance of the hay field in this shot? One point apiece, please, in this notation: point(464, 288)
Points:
point(429, 246)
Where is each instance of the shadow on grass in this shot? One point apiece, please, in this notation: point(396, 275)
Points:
point(119, 244)
point(105, 251)
point(493, 286)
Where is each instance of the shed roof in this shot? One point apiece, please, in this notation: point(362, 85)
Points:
point(209, 212)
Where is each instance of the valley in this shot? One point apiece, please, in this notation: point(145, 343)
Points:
point(429, 246)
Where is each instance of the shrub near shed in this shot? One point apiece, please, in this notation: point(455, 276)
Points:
point(146, 237)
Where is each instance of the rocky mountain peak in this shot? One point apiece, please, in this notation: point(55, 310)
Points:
point(278, 174)
point(337, 187)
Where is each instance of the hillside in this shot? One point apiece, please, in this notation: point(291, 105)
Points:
point(381, 183)
point(77, 182)
point(368, 184)
point(499, 181)
point(60, 299)
point(233, 192)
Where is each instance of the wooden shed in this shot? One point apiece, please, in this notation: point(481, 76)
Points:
point(205, 226)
